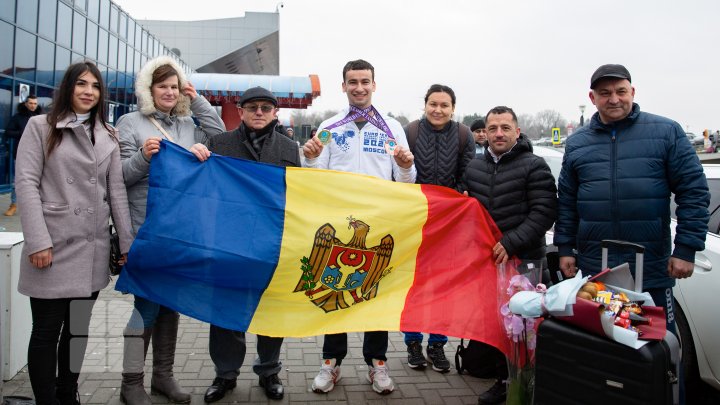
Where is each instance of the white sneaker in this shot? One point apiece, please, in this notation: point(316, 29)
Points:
point(379, 377)
point(327, 377)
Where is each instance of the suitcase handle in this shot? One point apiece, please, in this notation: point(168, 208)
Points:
point(639, 256)
point(621, 244)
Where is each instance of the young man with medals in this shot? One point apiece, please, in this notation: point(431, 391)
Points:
point(359, 139)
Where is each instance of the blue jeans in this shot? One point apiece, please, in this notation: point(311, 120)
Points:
point(145, 313)
point(418, 337)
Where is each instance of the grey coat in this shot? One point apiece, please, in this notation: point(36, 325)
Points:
point(135, 128)
point(63, 200)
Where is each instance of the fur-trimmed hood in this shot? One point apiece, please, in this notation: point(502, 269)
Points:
point(143, 83)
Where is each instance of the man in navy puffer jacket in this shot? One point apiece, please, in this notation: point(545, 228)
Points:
point(616, 182)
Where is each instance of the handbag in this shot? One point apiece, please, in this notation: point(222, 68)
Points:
point(115, 253)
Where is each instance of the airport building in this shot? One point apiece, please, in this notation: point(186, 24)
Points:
point(40, 38)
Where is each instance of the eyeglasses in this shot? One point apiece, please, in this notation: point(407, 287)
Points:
point(253, 107)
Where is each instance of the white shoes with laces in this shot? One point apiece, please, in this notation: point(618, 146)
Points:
point(327, 377)
point(378, 375)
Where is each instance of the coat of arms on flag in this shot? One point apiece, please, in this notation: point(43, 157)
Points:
point(335, 269)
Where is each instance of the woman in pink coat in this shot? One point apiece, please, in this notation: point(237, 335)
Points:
point(64, 161)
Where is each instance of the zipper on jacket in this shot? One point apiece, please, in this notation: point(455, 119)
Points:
point(437, 165)
point(614, 211)
point(492, 188)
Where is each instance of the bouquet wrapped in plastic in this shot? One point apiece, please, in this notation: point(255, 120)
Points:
point(517, 278)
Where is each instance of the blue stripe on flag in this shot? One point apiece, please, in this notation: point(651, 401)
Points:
point(211, 239)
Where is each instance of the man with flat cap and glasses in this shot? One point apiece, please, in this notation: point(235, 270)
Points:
point(257, 139)
point(618, 175)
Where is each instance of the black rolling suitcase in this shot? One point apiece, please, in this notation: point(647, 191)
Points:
point(576, 367)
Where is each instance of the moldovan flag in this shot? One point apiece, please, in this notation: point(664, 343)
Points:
point(300, 252)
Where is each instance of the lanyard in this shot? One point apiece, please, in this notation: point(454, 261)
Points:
point(372, 116)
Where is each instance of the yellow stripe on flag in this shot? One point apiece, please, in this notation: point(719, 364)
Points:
point(318, 197)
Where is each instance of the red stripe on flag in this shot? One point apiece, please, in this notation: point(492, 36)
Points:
point(454, 292)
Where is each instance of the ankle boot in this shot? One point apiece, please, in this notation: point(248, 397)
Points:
point(164, 340)
point(11, 210)
point(67, 395)
point(132, 390)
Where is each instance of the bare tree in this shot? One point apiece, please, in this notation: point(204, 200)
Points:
point(403, 120)
point(546, 120)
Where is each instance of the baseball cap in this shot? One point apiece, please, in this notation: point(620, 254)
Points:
point(258, 93)
point(610, 70)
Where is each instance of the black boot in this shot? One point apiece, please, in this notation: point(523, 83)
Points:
point(273, 386)
point(495, 395)
point(164, 339)
point(67, 395)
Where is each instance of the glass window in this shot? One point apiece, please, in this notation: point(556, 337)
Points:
point(81, 5)
point(45, 95)
point(62, 61)
point(79, 33)
point(93, 9)
point(64, 28)
point(6, 47)
point(102, 46)
point(25, 55)
point(6, 101)
point(111, 84)
point(48, 15)
point(103, 72)
point(121, 56)
point(130, 59)
point(122, 28)
point(137, 62)
point(131, 32)
point(143, 42)
point(45, 62)
point(7, 11)
point(112, 56)
point(114, 19)
point(27, 13)
point(92, 40)
point(76, 57)
point(138, 35)
point(104, 13)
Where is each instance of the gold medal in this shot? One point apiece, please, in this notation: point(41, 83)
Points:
point(324, 136)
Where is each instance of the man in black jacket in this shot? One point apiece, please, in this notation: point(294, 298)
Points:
point(518, 190)
point(14, 131)
point(255, 139)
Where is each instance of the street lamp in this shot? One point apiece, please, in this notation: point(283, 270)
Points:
point(582, 114)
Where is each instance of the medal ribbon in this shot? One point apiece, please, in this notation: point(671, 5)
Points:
point(355, 113)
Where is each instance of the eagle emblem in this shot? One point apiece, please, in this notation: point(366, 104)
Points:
point(338, 272)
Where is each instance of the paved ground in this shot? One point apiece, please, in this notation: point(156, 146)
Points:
point(100, 378)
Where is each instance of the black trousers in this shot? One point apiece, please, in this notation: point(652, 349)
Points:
point(375, 345)
point(58, 340)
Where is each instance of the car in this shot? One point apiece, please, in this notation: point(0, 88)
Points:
point(697, 298)
point(695, 139)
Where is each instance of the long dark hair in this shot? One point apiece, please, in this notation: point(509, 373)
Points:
point(62, 103)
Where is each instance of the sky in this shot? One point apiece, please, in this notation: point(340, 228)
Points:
point(530, 55)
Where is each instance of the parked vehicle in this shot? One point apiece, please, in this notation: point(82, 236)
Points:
point(697, 298)
point(696, 140)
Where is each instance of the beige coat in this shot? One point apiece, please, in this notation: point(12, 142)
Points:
point(63, 206)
